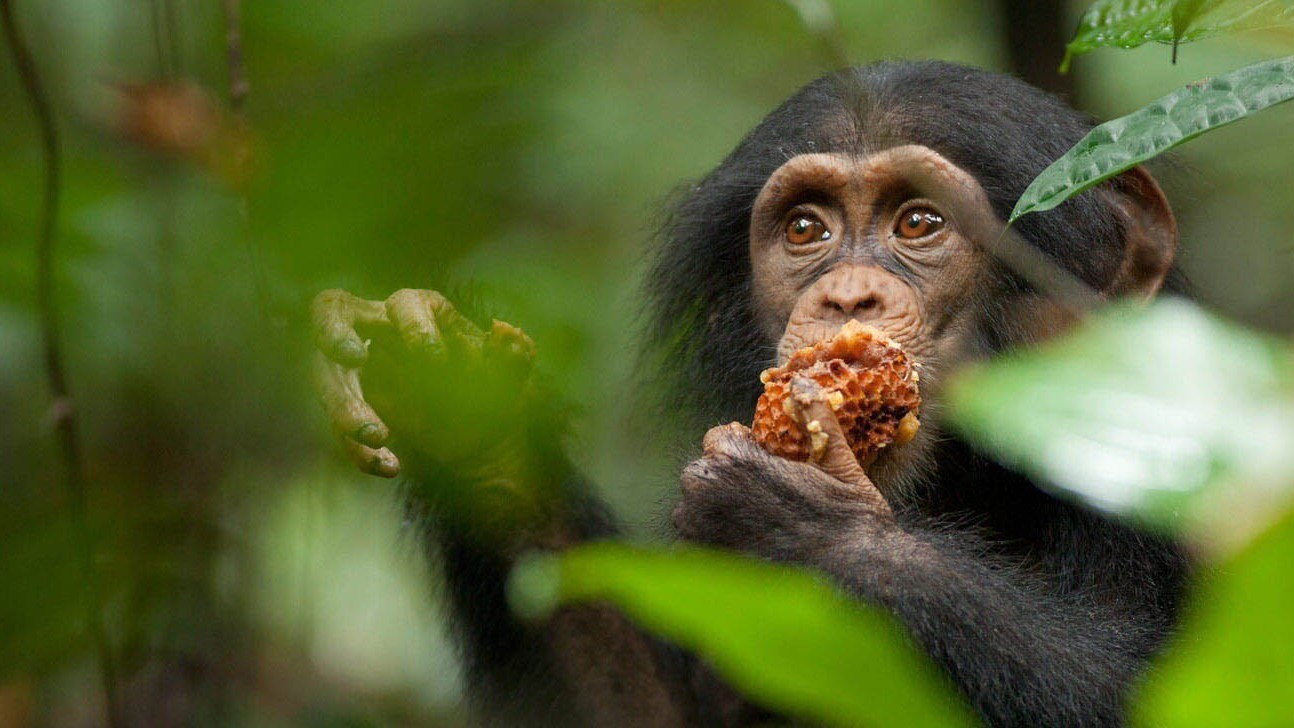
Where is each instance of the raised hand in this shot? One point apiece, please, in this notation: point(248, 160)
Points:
point(430, 362)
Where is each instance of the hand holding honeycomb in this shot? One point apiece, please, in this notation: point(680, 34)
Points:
point(861, 374)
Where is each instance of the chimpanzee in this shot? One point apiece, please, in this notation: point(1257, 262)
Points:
point(872, 194)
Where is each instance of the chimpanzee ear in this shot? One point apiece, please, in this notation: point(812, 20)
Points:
point(1149, 237)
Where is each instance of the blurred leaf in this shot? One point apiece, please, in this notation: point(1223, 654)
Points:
point(776, 633)
point(1233, 663)
point(1123, 143)
point(1131, 23)
point(42, 613)
point(1146, 412)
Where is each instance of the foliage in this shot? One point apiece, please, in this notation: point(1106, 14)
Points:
point(1188, 112)
point(520, 145)
point(1233, 663)
point(1163, 413)
point(772, 631)
point(1130, 23)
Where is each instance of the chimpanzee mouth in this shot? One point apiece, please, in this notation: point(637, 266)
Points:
point(856, 344)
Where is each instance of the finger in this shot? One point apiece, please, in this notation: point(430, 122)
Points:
point(730, 439)
point(828, 447)
point(459, 329)
point(335, 314)
point(510, 341)
point(411, 311)
point(344, 404)
point(509, 351)
point(380, 461)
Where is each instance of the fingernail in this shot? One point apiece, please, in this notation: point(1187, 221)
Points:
point(353, 350)
point(368, 433)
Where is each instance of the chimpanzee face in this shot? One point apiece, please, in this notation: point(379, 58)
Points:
point(882, 238)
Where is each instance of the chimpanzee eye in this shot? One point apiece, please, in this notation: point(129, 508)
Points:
point(805, 229)
point(918, 223)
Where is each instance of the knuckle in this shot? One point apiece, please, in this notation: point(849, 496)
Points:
point(699, 475)
point(732, 437)
point(681, 518)
point(327, 300)
point(435, 299)
point(697, 470)
point(401, 299)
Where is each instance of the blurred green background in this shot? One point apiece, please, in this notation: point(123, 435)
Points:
point(522, 150)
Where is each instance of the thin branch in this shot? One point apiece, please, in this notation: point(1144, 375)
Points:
point(62, 410)
point(164, 63)
point(238, 86)
point(1043, 273)
point(238, 89)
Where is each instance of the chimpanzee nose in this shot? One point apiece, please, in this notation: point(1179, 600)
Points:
point(854, 292)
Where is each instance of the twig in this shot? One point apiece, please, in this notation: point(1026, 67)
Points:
point(238, 86)
point(62, 409)
point(818, 17)
point(1043, 273)
point(165, 62)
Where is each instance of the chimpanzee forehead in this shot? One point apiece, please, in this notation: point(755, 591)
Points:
point(863, 174)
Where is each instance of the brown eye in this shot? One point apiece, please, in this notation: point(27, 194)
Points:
point(919, 223)
point(806, 229)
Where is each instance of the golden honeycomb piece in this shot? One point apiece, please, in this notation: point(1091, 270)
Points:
point(864, 376)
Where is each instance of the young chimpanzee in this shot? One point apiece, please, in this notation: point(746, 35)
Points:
point(872, 194)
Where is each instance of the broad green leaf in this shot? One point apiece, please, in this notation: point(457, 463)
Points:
point(1154, 412)
point(1233, 662)
point(1131, 23)
point(779, 634)
point(1123, 143)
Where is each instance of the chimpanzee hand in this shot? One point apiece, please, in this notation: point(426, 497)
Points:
point(739, 496)
point(443, 383)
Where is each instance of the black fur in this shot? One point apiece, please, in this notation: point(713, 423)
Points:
point(1040, 612)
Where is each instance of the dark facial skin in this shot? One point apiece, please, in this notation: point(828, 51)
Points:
point(868, 262)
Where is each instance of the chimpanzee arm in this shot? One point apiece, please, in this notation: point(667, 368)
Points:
point(585, 665)
point(1026, 645)
point(480, 446)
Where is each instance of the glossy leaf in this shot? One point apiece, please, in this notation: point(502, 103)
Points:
point(1153, 413)
point(1123, 143)
point(1131, 23)
point(1233, 663)
point(776, 633)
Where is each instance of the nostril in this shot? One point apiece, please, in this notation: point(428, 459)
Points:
point(851, 307)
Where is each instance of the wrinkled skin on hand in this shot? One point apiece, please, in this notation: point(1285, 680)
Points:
point(739, 496)
point(447, 389)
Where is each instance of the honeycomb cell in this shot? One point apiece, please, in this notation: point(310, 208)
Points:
point(866, 378)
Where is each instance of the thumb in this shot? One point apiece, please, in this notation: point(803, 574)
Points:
point(828, 447)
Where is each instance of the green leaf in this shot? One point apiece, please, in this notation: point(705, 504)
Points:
point(1131, 23)
point(1123, 143)
point(778, 634)
point(1161, 413)
point(1233, 662)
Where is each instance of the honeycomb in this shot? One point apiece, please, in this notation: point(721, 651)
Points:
point(863, 376)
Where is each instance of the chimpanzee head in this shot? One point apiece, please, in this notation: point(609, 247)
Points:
point(869, 195)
